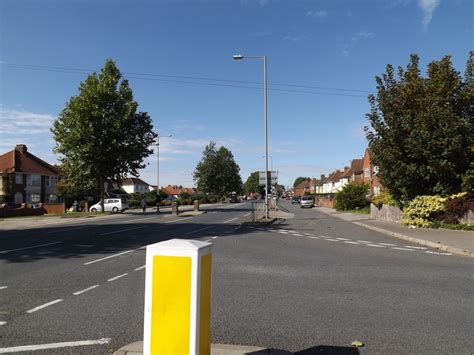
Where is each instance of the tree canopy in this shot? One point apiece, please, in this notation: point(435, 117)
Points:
point(100, 135)
point(299, 180)
point(217, 174)
point(252, 184)
point(421, 128)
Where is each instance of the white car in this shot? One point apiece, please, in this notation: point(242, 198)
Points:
point(114, 205)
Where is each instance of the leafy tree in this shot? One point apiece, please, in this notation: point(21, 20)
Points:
point(100, 134)
point(252, 184)
point(422, 129)
point(217, 174)
point(352, 196)
point(299, 180)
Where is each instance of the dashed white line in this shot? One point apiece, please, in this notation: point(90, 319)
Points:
point(2, 323)
point(307, 234)
point(342, 239)
point(141, 267)
point(436, 253)
point(375, 245)
point(363, 241)
point(412, 247)
point(198, 230)
point(113, 256)
point(122, 230)
point(297, 235)
point(85, 290)
point(314, 237)
point(349, 242)
point(230, 220)
point(406, 249)
point(247, 214)
point(54, 345)
point(30, 247)
point(117, 277)
point(282, 232)
point(3, 287)
point(44, 306)
point(177, 220)
point(331, 240)
point(215, 237)
point(388, 244)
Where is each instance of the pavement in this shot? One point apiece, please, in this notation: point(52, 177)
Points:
point(451, 241)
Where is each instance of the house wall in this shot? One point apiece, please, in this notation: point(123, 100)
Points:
point(129, 189)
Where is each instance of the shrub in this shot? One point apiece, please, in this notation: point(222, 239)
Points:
point(457, 206)
point(352, 196)
point(384, 198)
point(423, 210)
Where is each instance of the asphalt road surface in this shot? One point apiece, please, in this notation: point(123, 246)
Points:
point(312, 284)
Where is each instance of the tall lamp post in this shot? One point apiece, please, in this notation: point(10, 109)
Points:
point(264, 58)
point(158, 171)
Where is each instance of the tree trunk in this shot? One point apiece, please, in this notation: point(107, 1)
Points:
point(102, 194)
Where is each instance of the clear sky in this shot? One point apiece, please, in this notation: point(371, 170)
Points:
point(330, 50)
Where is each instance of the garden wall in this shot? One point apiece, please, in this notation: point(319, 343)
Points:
point(386, 213)
point(327, 202)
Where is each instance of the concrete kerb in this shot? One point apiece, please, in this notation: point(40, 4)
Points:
point(216, 349)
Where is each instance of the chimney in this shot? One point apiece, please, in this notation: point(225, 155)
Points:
point(21, 148)
point(323, 176)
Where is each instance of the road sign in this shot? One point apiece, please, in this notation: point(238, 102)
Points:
point(272, 177)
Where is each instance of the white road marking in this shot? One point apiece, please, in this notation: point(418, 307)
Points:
point(139, 268)
point(331, 240)
point(314, 237)
point(84, 245)
point(409, 246)
point(325, 236)
point(282, 232)
point(348, 242)
point(342, 238)
point(3, 287)
point(44, 306)
point(113, 256)
point(307, 234)
point(31, 247)
point(198, 230)
point(207, 240)
point(230, 220)
point(388, 244)
point(363, 241)
point(54, 345)
point(214, 237)
point(376, 245)
point(177, 220)
point(117, 277)
point(406, 249)
point(85, 290)
point(122, 230)
point(297, 235)
point(436, 253)
point(248, 214)
point(2, 323)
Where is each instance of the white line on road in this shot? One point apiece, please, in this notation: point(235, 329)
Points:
point(139, 268)
point(2, 323)
point(248, 214)
point(436, 253)
point(214, 237)
point(363, 241)
point(348, 242)
point(376, 245)
point(406, 249)
point(31, 247)
point(230, 220)
point(207, 240)
point(177, 220)
point(331, 240)
point(198, 230)
point(122, 230)
point(85, 290)
point(297, 235)
point(117, 277)
point(314, 237)
point(388, 244)
point(409, 246)
point(54, 345)
point(3, 287)
point(113, 256)
point(282, 232)
point(44, 306)
point(342, 239)
point(307, 234)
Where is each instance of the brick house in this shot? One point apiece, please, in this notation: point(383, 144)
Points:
point(370, 175)
point(302, 187)
point(25, 178)
point(176, 190)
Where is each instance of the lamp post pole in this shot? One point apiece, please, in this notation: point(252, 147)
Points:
point(158, 171)
point(265, 105)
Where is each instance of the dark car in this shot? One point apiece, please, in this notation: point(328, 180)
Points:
point(234, 199)
point(295, 200)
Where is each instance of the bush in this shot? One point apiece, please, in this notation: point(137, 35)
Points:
point(456, 207)
point(423, 210)
point(352, 196)
point(384, 198)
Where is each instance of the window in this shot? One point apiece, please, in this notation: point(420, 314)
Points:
point(33, 198)
point(33, 180)
point(376, 170)
point(367, 172)
point(51, 181)
point(18, 179)
point(52, 198)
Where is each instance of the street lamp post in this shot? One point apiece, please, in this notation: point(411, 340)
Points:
point(265, 105)
point(158, 171)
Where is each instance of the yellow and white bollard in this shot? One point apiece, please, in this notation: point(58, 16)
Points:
point(178, 298)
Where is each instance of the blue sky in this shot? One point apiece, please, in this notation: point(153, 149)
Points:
point(331, 49)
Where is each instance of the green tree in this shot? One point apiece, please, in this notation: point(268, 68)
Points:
point(352, 196)
point(422, 129)
point(217, 174)
point(252, 184)
point(299, 180)
point(100, 135)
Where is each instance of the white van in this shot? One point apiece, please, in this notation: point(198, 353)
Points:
point(114, 205)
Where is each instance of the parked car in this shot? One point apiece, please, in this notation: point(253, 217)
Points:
point(307, 201)
point(114, 205)
point(234, 199)
point(295, 200)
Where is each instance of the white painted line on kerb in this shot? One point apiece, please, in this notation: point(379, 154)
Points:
point(31, 247)
point(85, 290)
point(388, 244)
point(348, 242)
point(406, 249)
point(314, 237)
point(122, 230)
point(3, 287)
point(198, 230)
point(44, 306)
point(139, 268)
point(420, 248)
point(69, 344)
point(2, 323)
point(177, 220)
point(112, 256)
point(363, 241)
point(117, 277)
point(230, 220)
point(376, 245)
point(342, 239)
point(246, 215)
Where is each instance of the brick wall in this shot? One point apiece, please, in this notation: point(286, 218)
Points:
point(327, 202)
point(54, 208)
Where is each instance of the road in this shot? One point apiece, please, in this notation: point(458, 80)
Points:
point(309, 283)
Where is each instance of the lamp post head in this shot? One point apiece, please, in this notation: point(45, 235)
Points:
point(238, 56)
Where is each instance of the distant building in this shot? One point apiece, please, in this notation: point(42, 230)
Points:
point(25, 178)
point(370, 176)
point(177, 190)
point(135, 185)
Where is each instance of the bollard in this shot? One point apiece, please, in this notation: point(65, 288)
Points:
point(178, 298)
point(174, 208)
point(196, 205)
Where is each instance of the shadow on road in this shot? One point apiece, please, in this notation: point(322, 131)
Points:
point(320, 350)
